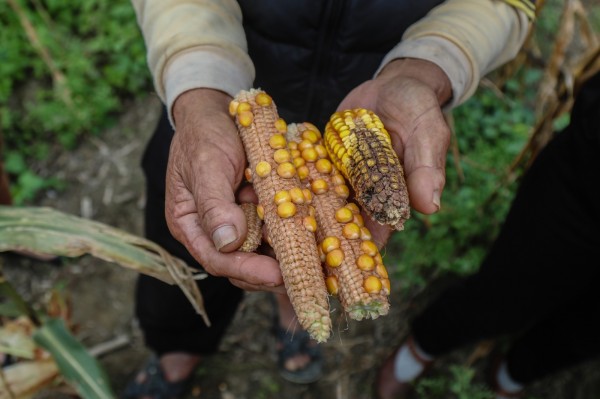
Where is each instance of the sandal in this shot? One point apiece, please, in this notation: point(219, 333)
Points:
point(294, 344)
point(154, 384)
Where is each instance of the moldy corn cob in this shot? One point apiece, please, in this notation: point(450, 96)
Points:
point(354, 267)
point(361, 149)
point(284, 208)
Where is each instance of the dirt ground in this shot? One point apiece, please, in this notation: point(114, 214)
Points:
point(105, 183)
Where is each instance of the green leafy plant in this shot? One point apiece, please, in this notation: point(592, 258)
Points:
point(490, 130)
point(68, 69)
point(458, 384)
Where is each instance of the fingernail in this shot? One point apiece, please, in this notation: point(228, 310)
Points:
point(224, 235)
point(436, 199)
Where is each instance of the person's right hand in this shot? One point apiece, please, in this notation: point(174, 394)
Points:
point(206, 166)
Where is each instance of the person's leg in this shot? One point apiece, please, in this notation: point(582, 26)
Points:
point(544, 253)
point(171, 327)
point(569, 336)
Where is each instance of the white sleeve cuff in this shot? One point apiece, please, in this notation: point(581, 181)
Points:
point(207, 67)
point(445, 54)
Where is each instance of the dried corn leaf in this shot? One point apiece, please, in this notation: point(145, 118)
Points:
point(24, 379)
point(15, 338)
point(49, 231)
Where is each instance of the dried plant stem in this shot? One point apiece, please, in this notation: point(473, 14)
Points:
point(59, 79)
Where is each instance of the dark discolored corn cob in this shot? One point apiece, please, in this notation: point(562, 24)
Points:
point(285, 213)
point(353, 264)
point(361, 149)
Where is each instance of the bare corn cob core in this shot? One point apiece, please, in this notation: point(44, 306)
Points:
point(275, 179)
point(353, 264)
point(361, 148)
point(254, 223)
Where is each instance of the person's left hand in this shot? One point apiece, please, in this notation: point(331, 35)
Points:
point(408, 96)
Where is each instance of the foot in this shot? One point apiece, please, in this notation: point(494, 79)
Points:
point(501, 382)
point(299, 357)
point(164, 378)
point(387, 385)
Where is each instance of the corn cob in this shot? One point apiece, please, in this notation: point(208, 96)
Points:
point(361, 149)
point(254, 223)
point(353, 265)
point(287, 220)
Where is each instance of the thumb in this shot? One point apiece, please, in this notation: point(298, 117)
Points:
point(424, 158)
point(220, 216)
point(425, 186)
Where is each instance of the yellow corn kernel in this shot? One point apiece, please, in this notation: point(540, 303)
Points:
point(365, 263)
point(332, 285)
point(260, 211)
point(282, 155)
point(311, 136)
point(297, 195)
point(310, 154)
point(286, 209)
point(342, 191)
point(351, 231)
point(334, 258)
point(358, 219)
point(281, 125)
point(378, 259)
point(353, 207)
point(233, 106)
point(243, 106)
point(263, 99)
point(299, 161)
point(307, 194)
point(323, 165)
point(369, 247)
point(387, 287)
point(365, 234)
point(245, 118)
point(282, 196)
point(310, 223)
point(286, 170)
point(304, 144)
point(263, 168)
point(337, 180)
point(381, 270)
point(302, 172)
point(248, 174)
point(344, 215)
point(319, 186)
point(321, 151)
point(330, 243)
point(277, 141)
point(372, 285)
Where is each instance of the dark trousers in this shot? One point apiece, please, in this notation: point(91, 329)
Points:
point(539, 284)
point(167, 319)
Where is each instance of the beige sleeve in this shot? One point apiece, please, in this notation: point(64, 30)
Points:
point(193, 44)
point(467, 39)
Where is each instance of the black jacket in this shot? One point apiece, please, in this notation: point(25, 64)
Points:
point(309, 54)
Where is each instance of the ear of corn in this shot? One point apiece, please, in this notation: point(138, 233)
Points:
point(275, 178)
point(254, 223)
point(361, 148)
point(353, 265)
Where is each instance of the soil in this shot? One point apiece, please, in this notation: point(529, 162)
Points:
point(104, 182)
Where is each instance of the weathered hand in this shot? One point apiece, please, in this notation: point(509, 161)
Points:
point(408, 95)
point(206, 164)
